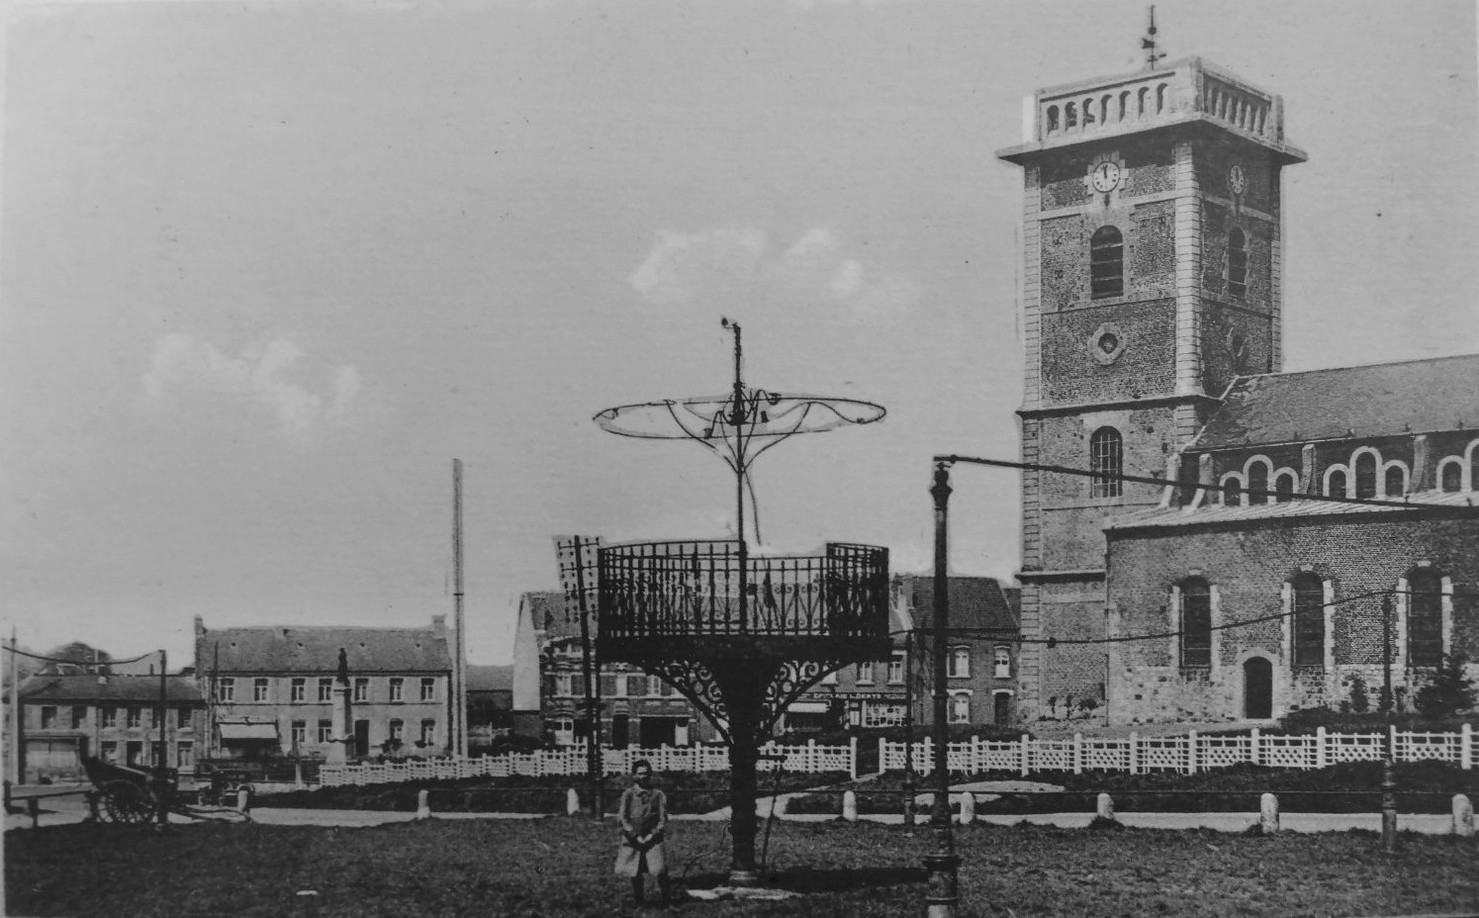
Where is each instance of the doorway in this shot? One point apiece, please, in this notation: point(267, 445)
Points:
point(361, 738)
point(1001, 708)
point(1258, 689)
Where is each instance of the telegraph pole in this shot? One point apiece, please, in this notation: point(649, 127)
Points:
point(1388, 778)
point(162, 765)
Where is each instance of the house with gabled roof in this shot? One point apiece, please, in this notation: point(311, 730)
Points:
point(69, 717)
point(269, 690)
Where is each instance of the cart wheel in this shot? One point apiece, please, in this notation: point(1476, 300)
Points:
point(126, 802)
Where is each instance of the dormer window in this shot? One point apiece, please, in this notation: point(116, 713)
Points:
point(1107, 263)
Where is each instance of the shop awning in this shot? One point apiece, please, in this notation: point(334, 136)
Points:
point(247, 732)
point(808, 707)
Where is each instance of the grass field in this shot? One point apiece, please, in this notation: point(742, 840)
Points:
point(562, 867)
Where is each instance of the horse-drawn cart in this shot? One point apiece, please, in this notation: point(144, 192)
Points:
point(124, 794)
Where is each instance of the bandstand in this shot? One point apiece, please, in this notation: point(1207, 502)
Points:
point(739, 635)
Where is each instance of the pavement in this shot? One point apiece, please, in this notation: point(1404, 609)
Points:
point(70, 810)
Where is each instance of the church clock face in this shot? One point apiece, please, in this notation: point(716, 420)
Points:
point(1106, 176)
point(1236, 180)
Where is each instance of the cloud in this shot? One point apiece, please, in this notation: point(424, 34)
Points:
point(263, 379)
point(738, 269)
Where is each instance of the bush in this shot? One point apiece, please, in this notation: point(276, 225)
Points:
point(1451, 690)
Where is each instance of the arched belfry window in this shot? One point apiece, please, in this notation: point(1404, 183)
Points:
point(1196, 623)
point(1309, 620)
point(1452, 477)
point(1237, 263)
point(1107, 462)
point(1107, 263)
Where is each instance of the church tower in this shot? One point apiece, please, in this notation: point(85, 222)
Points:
point(1152, 257)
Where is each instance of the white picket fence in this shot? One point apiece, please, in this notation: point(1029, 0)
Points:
point(810, 758)
point(1189, 753)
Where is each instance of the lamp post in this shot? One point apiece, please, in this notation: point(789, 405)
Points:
point(1388, 779)
point(909, 650)
point(943, 890)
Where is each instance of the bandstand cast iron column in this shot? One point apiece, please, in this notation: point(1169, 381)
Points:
point(943, 891)
point(162, 764)
point(595, 768)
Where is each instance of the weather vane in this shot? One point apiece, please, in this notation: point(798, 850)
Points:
point(1148, 43)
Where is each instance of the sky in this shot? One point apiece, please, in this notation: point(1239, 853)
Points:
point(267, 268)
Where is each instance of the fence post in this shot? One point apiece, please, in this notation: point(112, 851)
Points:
point(1268, 814)
point(1392, 738)
point(849, 806)
point(1466, 747)
point(423, 804)
point(1322, 756)
point(852, 757)
point(1254, 753)
point(1191, 752)
point(882, 754)
point(967, 808)
point(1105, 808)
point(1026, 756)
point(1463, 816)
point(1078, 753)
point(572, 802)
point(1134, 753)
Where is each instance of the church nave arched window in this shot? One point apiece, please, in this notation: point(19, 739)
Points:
point(1366, 475)
point(1196, 623)
point(1309, 620)
point(1107, 263)
point(1284, 485)
point(1424, 618)
point(1107, 462)
point(1451, 476)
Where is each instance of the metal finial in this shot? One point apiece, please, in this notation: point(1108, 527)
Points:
point(1148, 43)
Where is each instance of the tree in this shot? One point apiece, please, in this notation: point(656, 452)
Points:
point(1360, 701)
point(83, 655)
point(1451, 690)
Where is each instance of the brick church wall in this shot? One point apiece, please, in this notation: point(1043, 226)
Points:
point(1248, 566)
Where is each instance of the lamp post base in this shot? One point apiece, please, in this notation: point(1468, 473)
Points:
point(942, 892)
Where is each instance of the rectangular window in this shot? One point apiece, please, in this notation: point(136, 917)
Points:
point(361, 689)
point(896, 670)
point(608, 685)
point(958, 663)
point(109, 752)
point(48, 717)
point(156, 754)
point(325, 731)
point(226, 690)
point(1003, 663)
point(134, 718)
point(563, 684)
point(397, 689)
point(259, 689)
point(397, 731)
point(882, 715)
point(636, 686)
point(79, 716)
point(109, 716)
point(865, 673)
point(132, 753)
point(325, 690)
point(960, 709)
point(185, 756)
point(299, 690)
point(298, 732)
point(428, 689)
point(428, 732)
point(182, 719)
